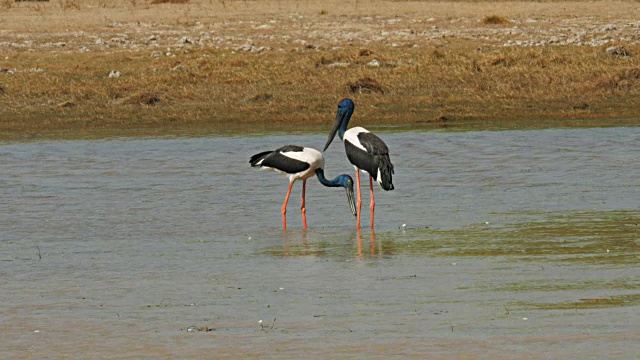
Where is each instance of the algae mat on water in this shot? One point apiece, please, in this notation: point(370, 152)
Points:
point(604, 246)
point(562, 260)
point(609, 237)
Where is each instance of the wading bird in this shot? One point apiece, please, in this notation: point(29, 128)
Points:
point(301, 163)
point(365, 151)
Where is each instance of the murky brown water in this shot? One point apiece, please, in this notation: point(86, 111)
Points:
point(516, 244)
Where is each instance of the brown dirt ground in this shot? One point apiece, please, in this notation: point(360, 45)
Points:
point(259, 64)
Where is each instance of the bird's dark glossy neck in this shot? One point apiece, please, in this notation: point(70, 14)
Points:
point(345, 116)
point(342, 130)
point(324, 181)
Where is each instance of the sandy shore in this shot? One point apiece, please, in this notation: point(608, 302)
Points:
point(93, 65)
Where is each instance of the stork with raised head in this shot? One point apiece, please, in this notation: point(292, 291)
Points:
point(365, 151)
point(301, 163)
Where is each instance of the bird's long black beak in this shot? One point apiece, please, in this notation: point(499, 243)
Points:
point(352, 200)
point(334, 130)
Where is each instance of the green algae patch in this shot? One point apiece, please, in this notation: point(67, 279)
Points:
point(586, 303)
point(578, 237)
point(568, 285)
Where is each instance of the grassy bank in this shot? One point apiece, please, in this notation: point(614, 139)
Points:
point(207, 65)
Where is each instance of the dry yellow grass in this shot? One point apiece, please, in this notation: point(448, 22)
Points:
point(207, 64)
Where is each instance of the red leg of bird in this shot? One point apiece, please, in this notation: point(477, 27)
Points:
point(359, 201)
point(303, 209)
point(284, 207)
point(372, 205)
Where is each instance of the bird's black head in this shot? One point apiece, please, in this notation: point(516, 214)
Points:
point(346, 104)
point(345, 110)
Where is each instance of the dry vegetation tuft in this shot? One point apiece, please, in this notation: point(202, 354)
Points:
point(495, 20)
point(170, 1)
point(69, 4)
point(365, 85)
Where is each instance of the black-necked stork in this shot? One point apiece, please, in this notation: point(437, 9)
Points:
point(366, 151)
point(301, 163)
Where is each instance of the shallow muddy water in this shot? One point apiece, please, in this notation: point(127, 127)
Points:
point(494, 244)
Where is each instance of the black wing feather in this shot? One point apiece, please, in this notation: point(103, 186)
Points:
point(255, 159)
point(373, 144)
point(290, 148)
point(275, 159)
point(361, 159)
point(375, 158)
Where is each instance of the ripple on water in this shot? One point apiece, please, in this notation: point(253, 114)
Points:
point(122, 245)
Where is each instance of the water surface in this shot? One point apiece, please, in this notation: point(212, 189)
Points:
point(494, 244)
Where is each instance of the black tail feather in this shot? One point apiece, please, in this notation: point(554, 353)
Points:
point(255, 159)
point(386, 171)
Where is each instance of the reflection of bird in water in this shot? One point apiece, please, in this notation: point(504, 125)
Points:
point(290, 244)
point(301, 163)
point(365, 151)
point(372, 242)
